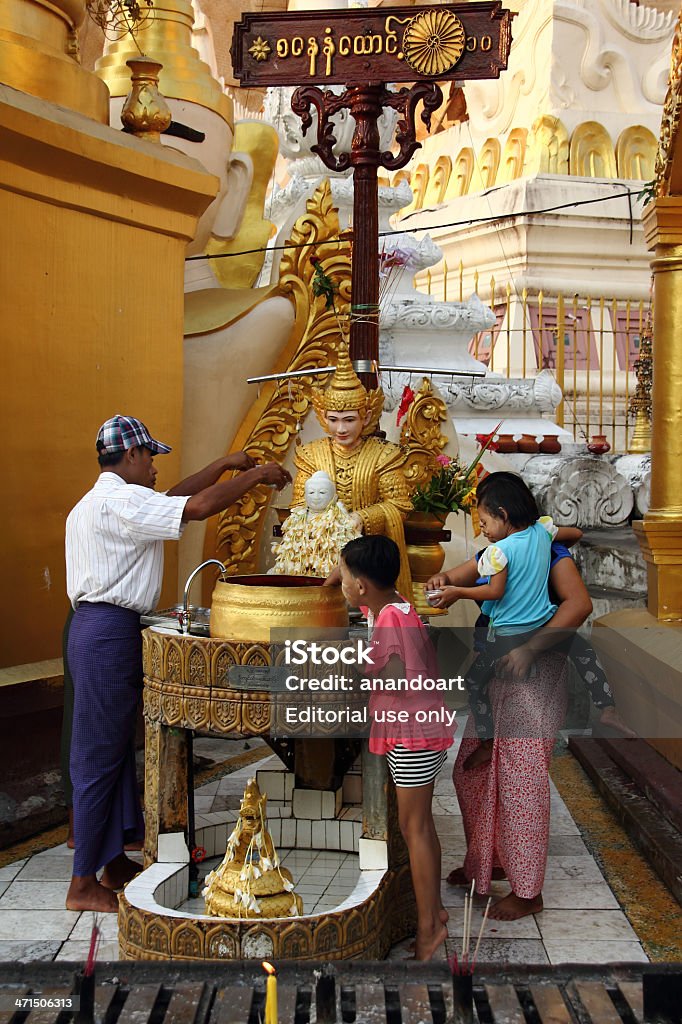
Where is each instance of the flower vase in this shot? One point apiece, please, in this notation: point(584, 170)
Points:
point(423, 533)
point(599, 445)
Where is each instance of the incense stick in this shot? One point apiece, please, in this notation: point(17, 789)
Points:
point(480, 934)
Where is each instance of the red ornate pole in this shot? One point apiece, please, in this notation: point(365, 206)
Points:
point(365, 104)
point(365, 107)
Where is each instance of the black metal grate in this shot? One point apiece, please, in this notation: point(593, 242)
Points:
point(352, 992)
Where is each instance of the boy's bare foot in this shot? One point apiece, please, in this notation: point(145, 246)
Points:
point(612, 719)
point(482, 755)
point(443, 916)
point(85, 893)
point(457, 877)
point(119, 872)
point(426, 945)
point(513, 907)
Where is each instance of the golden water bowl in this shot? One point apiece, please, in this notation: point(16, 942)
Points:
point(253, 608)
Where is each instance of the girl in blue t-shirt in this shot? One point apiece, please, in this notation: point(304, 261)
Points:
point(515, 571)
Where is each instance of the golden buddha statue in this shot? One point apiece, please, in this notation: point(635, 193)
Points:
point(249, 882)
point(367, 471)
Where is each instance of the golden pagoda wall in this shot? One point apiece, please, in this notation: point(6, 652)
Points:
point(94, 226)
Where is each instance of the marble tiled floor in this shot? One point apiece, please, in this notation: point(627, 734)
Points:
point(582, 920)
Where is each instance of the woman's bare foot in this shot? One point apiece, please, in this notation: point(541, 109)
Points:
point(85, 893)
point(119, 872)
point(457, 876)
point(482, 755)
point(512, 907)
point(426, 945)
point(612, 719)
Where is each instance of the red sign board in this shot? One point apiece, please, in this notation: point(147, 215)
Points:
point(386, 44)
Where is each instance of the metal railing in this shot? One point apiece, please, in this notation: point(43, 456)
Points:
point(594, 364)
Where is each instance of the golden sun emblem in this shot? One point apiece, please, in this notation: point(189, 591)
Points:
point(260, 49)
point(433, 41)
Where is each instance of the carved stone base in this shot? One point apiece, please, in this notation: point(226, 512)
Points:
point(366, 930)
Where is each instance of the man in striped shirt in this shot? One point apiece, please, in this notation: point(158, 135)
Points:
point(114, 572)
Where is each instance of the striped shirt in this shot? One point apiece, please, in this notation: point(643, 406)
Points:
point(114, 543)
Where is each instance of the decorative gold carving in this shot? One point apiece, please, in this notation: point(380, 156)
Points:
point(438, 181)
point(421, 435)
point(270, 427)
point(260, 49)
point(547, 147)
point(489, 162)
point(511, 164)
point(462, 173)
point(591, 154)
point(418, 183)
point(636, 153)
point(174, 663)
point(226, 715)
point(197, 670)
point(433, 41)
point(670, 119)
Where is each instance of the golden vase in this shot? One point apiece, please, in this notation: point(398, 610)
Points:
point(425, 554)
point(145, 112)
point(252, 608)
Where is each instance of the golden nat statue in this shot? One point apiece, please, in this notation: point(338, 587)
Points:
point(368, 472)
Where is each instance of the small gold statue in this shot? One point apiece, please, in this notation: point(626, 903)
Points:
point(367, 471)
point(315, 533)
point(249, 882)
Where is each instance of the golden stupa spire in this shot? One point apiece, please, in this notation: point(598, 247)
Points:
point(346, 393)
point(166, 36)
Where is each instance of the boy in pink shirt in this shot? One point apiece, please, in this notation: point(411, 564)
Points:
point(407, 717)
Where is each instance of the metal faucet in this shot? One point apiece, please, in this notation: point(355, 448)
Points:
point(184, 614)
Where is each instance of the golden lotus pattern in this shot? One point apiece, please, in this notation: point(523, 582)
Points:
point(433, 42)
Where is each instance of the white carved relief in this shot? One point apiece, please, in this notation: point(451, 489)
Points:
point(637, 21)
point(584, 491)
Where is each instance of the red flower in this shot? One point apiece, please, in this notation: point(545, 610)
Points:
point(405, 403)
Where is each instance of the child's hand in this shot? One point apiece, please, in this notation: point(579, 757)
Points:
point(448, 595)
point(437, 582)
point(517, 664)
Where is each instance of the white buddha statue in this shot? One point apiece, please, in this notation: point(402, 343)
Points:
point(314, 533)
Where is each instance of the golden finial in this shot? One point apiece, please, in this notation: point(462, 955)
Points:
point(346, 393)
point(166, 36)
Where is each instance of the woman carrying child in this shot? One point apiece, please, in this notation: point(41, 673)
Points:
point(414, 742)
point(515, 571)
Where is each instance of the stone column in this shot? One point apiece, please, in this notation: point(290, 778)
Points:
point(165, 784)
point(660, 533)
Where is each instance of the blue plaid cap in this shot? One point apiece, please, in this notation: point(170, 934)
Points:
point(123, 432)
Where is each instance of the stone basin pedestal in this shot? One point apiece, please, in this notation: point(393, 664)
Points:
point(188, 686)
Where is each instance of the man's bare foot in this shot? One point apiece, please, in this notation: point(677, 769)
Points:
point(612, 719)
point(134, 847)
point(426, 945)
point(482, 755)
point(119, 872)
point(512, 907)
point(85, 893)
point(457, 876)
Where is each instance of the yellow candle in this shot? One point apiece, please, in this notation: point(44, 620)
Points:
point(271, 996)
